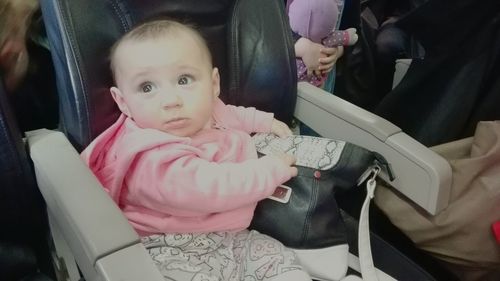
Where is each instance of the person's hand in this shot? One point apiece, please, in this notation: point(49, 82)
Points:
point(280, 129)
point(288, 160)
point(329, 58)
point(317, 58)
point(310, 53)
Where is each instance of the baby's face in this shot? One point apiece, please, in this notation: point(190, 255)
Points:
point(166, 83)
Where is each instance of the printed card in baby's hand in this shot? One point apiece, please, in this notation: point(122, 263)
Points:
point(313, 152)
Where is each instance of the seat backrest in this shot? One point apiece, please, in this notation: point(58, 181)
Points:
point(19, 198)
point(250, 41)
point(24, 246)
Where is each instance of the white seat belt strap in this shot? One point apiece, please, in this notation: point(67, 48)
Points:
point(368, 270)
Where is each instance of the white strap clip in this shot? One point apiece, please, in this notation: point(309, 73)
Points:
point(372, 182)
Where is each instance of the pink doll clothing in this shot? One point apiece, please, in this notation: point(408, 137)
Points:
point(209, 182)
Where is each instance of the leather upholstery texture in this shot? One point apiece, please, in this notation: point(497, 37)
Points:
point(250, 42)
point(23, 236)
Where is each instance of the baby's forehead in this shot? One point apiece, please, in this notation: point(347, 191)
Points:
point(140, 56)
point(177, 37)
point(142, 44)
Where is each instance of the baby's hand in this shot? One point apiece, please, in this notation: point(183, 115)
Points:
point(280, 129)
point(288, 160)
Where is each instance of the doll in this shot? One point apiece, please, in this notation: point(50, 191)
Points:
point(316, 20)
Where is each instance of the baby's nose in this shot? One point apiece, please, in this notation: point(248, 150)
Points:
point(170, 99)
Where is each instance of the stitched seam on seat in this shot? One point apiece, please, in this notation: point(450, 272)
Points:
point(290, 55)
point(235, 63)
point(64, 24)
point(120, 12)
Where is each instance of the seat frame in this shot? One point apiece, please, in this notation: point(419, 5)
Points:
point(88, 226)
point(107, 248)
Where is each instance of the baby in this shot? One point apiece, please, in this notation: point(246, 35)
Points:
point(181, 164)
point(316, 20)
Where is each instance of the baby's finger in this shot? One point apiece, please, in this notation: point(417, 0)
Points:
point(282, 132)
point(287, 132)
point(290, 159)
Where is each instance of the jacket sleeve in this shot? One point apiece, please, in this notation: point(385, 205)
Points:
point(295, 37)
point(248, 119)
point(192, 184)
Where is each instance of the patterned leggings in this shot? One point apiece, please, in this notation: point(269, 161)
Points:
point(245, 255)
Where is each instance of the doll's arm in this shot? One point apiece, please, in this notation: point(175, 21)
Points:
point(337, 38)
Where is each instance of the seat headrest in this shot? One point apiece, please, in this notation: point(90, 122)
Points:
point(250, 41)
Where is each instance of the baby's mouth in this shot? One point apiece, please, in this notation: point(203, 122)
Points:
point(176, 123)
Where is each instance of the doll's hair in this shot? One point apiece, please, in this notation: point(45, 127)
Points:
point(313, 19)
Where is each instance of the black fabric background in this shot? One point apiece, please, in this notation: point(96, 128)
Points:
point(445, 93)
point(457, 84)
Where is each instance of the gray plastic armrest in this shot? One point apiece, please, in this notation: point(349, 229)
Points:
point(130, 264)
point(91, 223)
point(421, 174)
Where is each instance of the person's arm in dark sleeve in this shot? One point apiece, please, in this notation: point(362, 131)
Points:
point(295, 37)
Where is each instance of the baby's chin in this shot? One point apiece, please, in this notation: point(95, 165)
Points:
point(182, 133)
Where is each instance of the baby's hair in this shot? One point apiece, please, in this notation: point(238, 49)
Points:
point(156, 29)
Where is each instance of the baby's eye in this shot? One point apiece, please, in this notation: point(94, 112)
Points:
point(185, 79)
point(147, 87)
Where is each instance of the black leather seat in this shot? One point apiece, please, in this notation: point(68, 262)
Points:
point(24, 250)
point(250, 41)
point(81, 32)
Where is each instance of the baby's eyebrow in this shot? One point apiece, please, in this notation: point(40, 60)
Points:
point(144, 70)
point(139, 77)
point(188, 68)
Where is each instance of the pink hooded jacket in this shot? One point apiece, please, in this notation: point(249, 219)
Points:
point(206, 183)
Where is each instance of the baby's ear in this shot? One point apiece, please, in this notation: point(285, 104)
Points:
point(215, 82)
point(120, 101)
